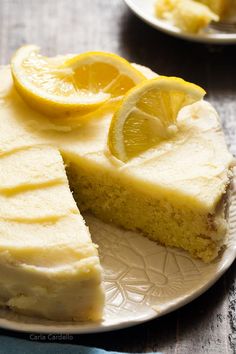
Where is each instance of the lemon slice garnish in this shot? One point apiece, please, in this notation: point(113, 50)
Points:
point(148, 115)
point(70, 84)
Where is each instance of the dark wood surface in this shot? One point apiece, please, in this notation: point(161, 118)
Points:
point(208, 324)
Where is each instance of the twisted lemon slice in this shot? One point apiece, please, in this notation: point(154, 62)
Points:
point(148, 115)
point(74, 83)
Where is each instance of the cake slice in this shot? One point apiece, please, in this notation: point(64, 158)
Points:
point(220, 7)
point(188, 15)
point(49, 266)
point(192, 15)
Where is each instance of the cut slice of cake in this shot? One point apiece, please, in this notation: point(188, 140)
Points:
point(188, 15)
point(48, 265)
point(192, 15)
point(220, 7)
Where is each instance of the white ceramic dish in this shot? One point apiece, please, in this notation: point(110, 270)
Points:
point(145, 10)
point(142, 280)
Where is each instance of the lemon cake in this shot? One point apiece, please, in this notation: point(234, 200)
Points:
point(49, 266)
point(174, 189)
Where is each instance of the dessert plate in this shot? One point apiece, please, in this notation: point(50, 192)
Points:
point(212, 34)
point(142, 280)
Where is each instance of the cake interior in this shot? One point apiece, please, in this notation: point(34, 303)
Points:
point(115, 201)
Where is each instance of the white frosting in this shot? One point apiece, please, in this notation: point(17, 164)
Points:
point(49, 266)
point(197, 168)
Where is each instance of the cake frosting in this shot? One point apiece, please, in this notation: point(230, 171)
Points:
point(49, 266)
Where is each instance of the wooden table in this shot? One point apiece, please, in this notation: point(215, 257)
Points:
point(208, 324)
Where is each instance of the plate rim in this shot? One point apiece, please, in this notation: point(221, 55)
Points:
point(210, 38)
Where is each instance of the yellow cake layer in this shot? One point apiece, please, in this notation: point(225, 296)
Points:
point(121, 202)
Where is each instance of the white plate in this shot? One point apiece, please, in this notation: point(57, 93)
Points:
point(142, 280)
point(145, 10)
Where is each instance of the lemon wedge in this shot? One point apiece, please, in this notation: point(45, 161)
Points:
point(61, 85)
point(148, 115)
